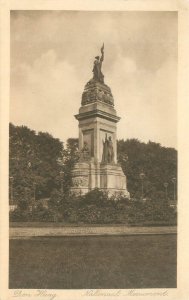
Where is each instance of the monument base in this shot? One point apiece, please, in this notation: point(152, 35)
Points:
point(109, 178)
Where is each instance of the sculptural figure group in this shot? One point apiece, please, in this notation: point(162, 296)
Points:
point(108, 150)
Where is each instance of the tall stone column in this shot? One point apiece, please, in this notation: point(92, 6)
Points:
point(97, 117)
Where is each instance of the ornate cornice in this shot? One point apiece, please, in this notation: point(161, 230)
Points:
point(97, 113)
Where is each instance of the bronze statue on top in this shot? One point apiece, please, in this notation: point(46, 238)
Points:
point(97, 73)
point(95, 89)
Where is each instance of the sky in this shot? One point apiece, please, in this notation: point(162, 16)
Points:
point(52, 55)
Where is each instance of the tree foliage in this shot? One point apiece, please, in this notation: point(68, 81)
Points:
point(69, 158)
point(33, 163)
point(159, 164)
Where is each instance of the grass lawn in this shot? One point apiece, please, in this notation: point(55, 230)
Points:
point(119, 262)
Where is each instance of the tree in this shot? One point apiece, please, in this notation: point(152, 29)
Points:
point(33, 162)
point(158, 163)
point(69, 157)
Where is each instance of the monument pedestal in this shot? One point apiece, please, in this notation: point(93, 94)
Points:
point(113, 180)
point(110, 178)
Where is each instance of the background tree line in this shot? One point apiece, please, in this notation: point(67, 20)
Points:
point(159, 164)
point(36, 163)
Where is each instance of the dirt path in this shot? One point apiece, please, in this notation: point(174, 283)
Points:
point(85, 231)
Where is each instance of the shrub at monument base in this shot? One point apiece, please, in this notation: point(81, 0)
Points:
point(97, 208)
point(38, 214)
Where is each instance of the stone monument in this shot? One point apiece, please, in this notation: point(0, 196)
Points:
point(97, 166)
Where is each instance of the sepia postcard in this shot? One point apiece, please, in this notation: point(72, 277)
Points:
point(94, 149)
